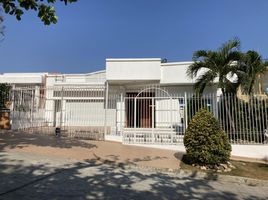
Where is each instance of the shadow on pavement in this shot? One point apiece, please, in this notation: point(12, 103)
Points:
point(99, 180)
point(21, 140)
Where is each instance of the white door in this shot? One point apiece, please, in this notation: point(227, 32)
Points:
point(84, 113)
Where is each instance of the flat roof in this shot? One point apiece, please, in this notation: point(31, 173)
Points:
point(131, 59)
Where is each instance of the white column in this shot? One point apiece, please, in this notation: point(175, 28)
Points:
point(106, 107)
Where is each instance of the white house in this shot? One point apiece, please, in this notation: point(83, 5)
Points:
point(130, 94)
point(152, 94)
point(140, 100)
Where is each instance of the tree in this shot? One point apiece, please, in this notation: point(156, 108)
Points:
point(220, 64)
point(218, 68)
point(252, 66)
point(4, 95)
point(44, 8)
point(205, 142)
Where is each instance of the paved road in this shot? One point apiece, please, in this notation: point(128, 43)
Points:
point(33, 176)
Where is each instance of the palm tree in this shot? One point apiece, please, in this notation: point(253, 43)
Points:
point(252, 67)
point(216, 67)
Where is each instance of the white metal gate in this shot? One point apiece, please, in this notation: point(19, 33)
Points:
point(79, 112)
point(153, 116)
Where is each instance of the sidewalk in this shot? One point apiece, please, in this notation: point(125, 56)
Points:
point(88, 150)
point(37, 176)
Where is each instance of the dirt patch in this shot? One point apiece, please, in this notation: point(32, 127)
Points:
point(255, 170)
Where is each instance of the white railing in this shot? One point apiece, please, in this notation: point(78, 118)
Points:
point(153, 115)
point(243, 118)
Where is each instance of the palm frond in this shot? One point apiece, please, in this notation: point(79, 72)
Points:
point(199, 54)
point(253, 66)
point(203, 80)
point(194, 68)
point(234, 57)
point(231, 45)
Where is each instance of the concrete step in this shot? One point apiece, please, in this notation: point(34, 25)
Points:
point(149, 129)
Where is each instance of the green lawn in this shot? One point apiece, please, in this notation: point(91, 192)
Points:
point(244, 169)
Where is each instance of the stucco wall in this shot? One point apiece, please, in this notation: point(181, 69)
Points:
point(261, 84)
point(133, 69)
point(22, 78)
point(175, 73)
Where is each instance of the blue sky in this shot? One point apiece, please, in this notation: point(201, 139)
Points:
point(91, 30)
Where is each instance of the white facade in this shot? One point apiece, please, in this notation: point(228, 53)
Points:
point(175, 73)
point(79, 99)
point(136, 101)
point(120, 72)
point(74, 98)
point(136, 70)
point(23, 78)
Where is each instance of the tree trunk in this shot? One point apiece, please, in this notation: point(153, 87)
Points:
point(228, 113)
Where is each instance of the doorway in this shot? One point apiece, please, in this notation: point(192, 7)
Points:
point(141, 117)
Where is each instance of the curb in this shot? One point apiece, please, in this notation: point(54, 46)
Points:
point(227, 178)
point(192, 174)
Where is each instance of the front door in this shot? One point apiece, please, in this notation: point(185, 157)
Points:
point(143, 112)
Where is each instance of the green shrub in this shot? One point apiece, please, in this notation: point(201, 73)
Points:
point(205, 142)
point(4, 94)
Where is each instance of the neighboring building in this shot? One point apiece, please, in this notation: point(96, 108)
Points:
point(261, 85)
point(19, 80)
point(260, 88)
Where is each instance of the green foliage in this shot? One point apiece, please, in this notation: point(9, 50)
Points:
point(197, 102)
point(46, 11)
point(4, 94)
point(217, 65)
point(220, 64)
point(247, 121)
point(250, 68)
point(205, 142)
point(250, 120)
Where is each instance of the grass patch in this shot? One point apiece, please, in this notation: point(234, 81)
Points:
point(244, 169)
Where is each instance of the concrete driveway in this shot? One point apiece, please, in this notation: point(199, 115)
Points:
point(81, 150)
point(34, 169)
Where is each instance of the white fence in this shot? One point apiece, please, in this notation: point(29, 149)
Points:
point(79, 112)
point(243, 118)
point(154, 116)
point(149, 116)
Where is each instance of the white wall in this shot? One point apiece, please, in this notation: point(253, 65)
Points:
point(180, 90)
point(22, 78)
point(133, 69)
point(122, 71)
point(167, 113)
point(98, 77)
point(120, 115)
point(175, 73)
point(84, 114)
